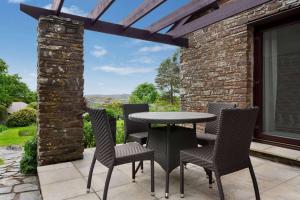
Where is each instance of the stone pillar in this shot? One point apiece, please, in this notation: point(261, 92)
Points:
point(60, 90)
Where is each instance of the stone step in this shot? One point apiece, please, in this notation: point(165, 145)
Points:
point(275, 153)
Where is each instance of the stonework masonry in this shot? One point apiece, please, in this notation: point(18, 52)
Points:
point(218, 65)
point(60, 90)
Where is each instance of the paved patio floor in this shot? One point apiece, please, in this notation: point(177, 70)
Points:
point(68, 181)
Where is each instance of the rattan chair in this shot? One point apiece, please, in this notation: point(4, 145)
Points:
point(209, 136)
point(135, 131)
point(109, 155)
point(231, 150)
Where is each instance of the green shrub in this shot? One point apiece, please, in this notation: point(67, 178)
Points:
point(111, 113)
point(120, 132)
point(88, 136)
point(22, 118)
point(32, 105)
point(28, 164)
point(3, 128)
point(162, 105)
point(86, 117)
point(1, 161)
point(114, 109)
point(3, 114)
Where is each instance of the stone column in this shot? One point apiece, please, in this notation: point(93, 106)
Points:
point(60, 90)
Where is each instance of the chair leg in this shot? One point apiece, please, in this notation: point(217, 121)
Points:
point(167, 185)
point(210, 178)
point(220, 187)
point(137, 168)
point(255, 185)
point(181, 179)
point(88, 187)
point(133, 171)
point(142, 166)
point(152, 178)
point(107, 183)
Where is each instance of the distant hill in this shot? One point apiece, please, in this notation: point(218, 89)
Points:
point(101, 99)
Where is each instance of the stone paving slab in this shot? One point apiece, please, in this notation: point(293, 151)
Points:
point(276, 181)
point(13, 184)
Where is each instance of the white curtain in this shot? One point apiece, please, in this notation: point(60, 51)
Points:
point(270, 79)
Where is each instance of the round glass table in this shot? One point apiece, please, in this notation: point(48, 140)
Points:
point(169, 139)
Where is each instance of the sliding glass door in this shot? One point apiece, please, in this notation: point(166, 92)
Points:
point(278, 83)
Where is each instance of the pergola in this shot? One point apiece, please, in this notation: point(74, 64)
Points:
point(60, 60)
point(189, 18)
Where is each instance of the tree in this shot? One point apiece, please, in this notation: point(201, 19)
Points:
point(168, 77)
point(144, 93)
point(12, 88)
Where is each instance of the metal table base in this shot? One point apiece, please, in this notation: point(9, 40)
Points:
point(167, 143)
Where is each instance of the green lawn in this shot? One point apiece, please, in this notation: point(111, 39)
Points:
point(1, 161)
point(11, 136)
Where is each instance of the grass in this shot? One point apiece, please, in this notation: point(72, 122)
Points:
point(11, 135)
point(1, 161)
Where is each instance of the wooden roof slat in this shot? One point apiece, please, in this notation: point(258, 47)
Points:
point(99, 9)
point(179, 23)
point(107, 27)
point(57, 5)
point(146, 7)
point(181, 13)
point(226, 11)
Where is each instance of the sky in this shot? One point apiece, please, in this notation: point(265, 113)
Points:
point(112, 64)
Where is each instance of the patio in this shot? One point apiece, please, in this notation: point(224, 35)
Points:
point(218, 61)
point(68, 181)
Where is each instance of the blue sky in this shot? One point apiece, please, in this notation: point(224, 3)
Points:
point(113, 64)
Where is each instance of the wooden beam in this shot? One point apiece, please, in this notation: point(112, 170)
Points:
point(146, 7)
point(56, 6)
point(179, 24)
point(228, 10)
point(99, 9)
point(107, 27)
point(181, 13)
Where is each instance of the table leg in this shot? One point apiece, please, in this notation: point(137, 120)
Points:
point(168, 167)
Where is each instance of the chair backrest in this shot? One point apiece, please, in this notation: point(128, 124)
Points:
point(105, 151)
point(132, 126)
point(235, 132)
point(215, 108)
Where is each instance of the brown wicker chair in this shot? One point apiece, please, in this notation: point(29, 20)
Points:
point(135, 131)
point(209, 136)
point(109, 155)
point(231, 150)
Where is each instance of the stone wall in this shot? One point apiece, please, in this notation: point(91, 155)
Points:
point(60, 90)
point(218, 66)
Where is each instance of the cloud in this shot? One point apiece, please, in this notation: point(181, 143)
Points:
point(16, 1)
point(123, 70)
point(98, 51)
point(144, 60)
point(157, 48)
point(74, 10)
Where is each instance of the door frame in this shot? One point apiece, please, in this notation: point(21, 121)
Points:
point(258, 84)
